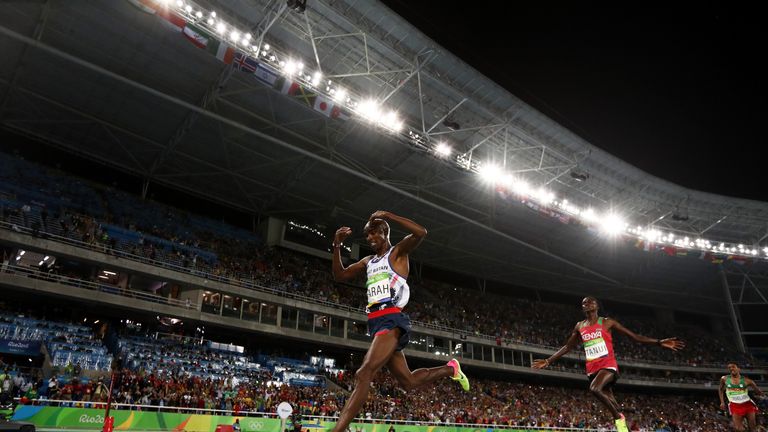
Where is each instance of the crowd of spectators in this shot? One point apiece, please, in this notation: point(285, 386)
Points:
point(119, 222)
point(489, 402)
point(493, 402)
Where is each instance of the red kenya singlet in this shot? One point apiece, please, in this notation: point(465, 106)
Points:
point(598, 346)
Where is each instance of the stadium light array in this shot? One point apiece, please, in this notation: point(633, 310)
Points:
point(371, 111)
point(443, 149)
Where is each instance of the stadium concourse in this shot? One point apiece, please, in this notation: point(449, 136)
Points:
point(171, 177)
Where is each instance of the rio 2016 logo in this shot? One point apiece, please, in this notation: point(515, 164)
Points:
point(97, 419)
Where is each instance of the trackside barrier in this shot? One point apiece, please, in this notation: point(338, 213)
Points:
point(157, 418)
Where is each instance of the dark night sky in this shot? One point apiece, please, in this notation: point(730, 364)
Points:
point(678, 91)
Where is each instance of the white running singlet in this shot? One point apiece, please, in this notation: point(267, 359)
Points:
point(385, 287)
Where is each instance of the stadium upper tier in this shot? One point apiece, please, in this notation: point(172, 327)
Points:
point(254, 129)
point(63, 207)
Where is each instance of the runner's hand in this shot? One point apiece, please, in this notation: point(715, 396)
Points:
point(722, 407)
point(672, 343)
point(540, 363)
point(379, 214)
point(341, 234)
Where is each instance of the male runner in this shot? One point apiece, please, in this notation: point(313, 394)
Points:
point(602, 369)
point(388, 293)
point(736, 389)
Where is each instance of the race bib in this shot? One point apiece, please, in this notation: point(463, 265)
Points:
point(595, 349)
point(738, 396)
point(378, 289)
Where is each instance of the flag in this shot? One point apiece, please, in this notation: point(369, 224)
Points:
point(224, 52)
point(669, 250)
point(266, 74)
point(148, 6)
point(171, 19)
point(325, 106)
point(244, 63)
point(737, 259)
point(304, 94)
point(199, 37)
point(714, 259)
point(340, 113)
point(284, 85)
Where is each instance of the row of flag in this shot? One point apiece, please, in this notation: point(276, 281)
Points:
point(229, 55)
point(713, 257)
point(647, 246)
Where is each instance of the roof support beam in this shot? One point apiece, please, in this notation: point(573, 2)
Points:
point(279, 142)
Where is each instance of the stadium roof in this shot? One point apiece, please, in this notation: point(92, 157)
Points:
point(115, 82)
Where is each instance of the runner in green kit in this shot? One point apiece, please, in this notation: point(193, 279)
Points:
point(735, 387)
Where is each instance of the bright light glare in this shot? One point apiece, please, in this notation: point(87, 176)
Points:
point(521, 187)
point(613, 224)
point(316, 78)
point(221, 27)
point(443, 149)
point(589, 215)
point(544, 196)
point(370, 109)
point(290, 67)
point(339, 95)
point(490, 172)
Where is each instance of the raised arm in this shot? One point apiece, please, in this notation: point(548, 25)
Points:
point(409, 242)
point(571, 343)
point(672, 343)
point(341, 273)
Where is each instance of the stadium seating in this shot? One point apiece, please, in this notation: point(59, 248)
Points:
point(121, 223)
point(67, 343)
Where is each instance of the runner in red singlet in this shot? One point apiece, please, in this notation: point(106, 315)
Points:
point(736, 387)
point(602, 369)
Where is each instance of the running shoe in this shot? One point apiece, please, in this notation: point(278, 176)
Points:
point(458, 375)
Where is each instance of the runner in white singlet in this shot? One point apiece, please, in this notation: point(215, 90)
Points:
point(388, 293)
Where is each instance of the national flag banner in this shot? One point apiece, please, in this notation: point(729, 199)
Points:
point(330, 108)
point(502, 191)
point(325, 105)
point(644, 245)
point(669, 250)
point(171, 19)
point(532, 205)
point(244, 63)
point(198, 36)
point(224, 52)
point(147, 6)
point(340, 113)
point(563, 218)
point(303, 94)
point(714, 258)
point(284, 85)
point(738, 259)
point(266, 74)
